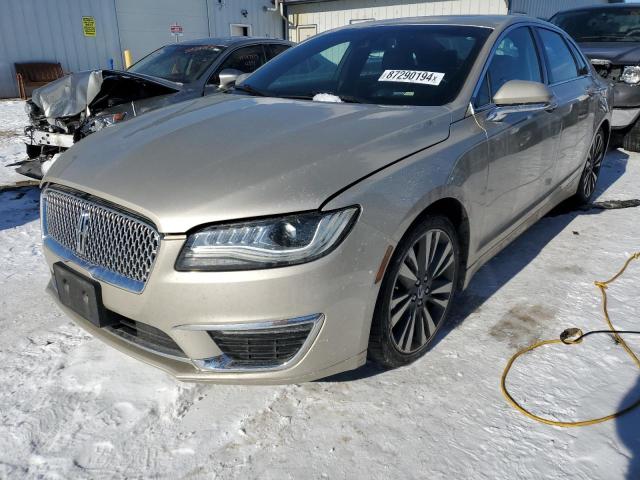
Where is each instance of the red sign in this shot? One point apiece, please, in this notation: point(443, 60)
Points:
point(175, 29)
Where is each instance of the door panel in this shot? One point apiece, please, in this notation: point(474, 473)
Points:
point(521, 150)
point(522, 145)
point(576, 116)
point(573, 94)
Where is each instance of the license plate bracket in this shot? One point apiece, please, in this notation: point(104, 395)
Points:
point(80, 294)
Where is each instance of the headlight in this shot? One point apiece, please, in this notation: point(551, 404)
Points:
point(267, 243)
point(631, 75)
point(102, 121)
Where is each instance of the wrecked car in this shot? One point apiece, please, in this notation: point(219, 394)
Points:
point(73, 107)
point(609, 35)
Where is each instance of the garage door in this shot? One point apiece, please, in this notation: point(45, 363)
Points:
point(144, 24)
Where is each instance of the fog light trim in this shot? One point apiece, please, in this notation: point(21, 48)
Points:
point(228, 364)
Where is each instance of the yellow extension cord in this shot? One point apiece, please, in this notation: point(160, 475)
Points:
point(603, 291)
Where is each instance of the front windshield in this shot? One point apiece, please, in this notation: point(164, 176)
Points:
point(178, 63)
point(386, 64)
point(601, 25)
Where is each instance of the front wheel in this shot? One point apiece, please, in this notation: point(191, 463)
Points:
point(591, 170)
point(416, 294)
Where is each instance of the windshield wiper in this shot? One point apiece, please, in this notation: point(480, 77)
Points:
point(350, 99)
point(249, 89)
point(603, 37)
point(344, 98)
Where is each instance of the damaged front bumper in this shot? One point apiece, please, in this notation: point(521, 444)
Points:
point(40, 138)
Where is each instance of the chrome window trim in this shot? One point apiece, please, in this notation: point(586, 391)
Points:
point(223, 363)
point(97, 272)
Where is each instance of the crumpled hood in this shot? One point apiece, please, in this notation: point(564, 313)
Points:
point(68, 95)
point(71, 94)
point(619, 53)
point(228, 157)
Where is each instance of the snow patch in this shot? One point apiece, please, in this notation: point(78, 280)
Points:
point(72, 407)
point(326, 97)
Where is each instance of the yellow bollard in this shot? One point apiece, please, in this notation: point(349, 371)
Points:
point(128, 61)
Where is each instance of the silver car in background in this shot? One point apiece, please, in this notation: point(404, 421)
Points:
point(328, 209)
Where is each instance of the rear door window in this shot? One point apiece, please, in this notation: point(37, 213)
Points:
point(245, 59)
point(583, 67)
point(560, 62)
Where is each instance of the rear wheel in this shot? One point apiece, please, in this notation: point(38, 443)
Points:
point(591, 170)
point(416, 294)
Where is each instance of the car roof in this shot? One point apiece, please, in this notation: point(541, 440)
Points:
point(487, 21)
point(613, 6)
point(232, 41)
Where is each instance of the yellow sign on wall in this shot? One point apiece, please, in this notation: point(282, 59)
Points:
point(89, 26)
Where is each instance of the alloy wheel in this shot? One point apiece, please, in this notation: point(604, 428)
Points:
point(592, 167)
point(421, 291)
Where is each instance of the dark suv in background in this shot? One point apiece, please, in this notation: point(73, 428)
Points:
point(610, 36)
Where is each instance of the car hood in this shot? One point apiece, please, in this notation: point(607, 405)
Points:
point(618, 53)
point(231, 156)
point(73, 93)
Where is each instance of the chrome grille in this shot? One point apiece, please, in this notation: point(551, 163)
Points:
point(122, 247)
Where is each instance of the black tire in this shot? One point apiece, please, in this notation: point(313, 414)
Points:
point(386, 340)
point(591, 170)
point(631, 139)
point(33, 151)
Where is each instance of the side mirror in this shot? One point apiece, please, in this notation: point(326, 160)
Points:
point(521, 96)
point(228, 77)
point(521, 92)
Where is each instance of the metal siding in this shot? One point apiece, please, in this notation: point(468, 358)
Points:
point(45, 30)
point(329, 15)
point(226, 12)
point(51, 30)
point(547, 8)
point(144, 24)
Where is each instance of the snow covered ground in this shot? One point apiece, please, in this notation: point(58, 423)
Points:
point(71, 407)
point(13, 119)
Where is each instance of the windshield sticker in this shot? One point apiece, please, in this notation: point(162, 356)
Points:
point(412, 76)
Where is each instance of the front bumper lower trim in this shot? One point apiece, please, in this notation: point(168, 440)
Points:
point(223, 363)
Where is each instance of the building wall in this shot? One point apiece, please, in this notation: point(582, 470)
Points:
point(263, 23)
point(51, 31)
point(144, 24)
point(547, 8)
point(310, 18)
